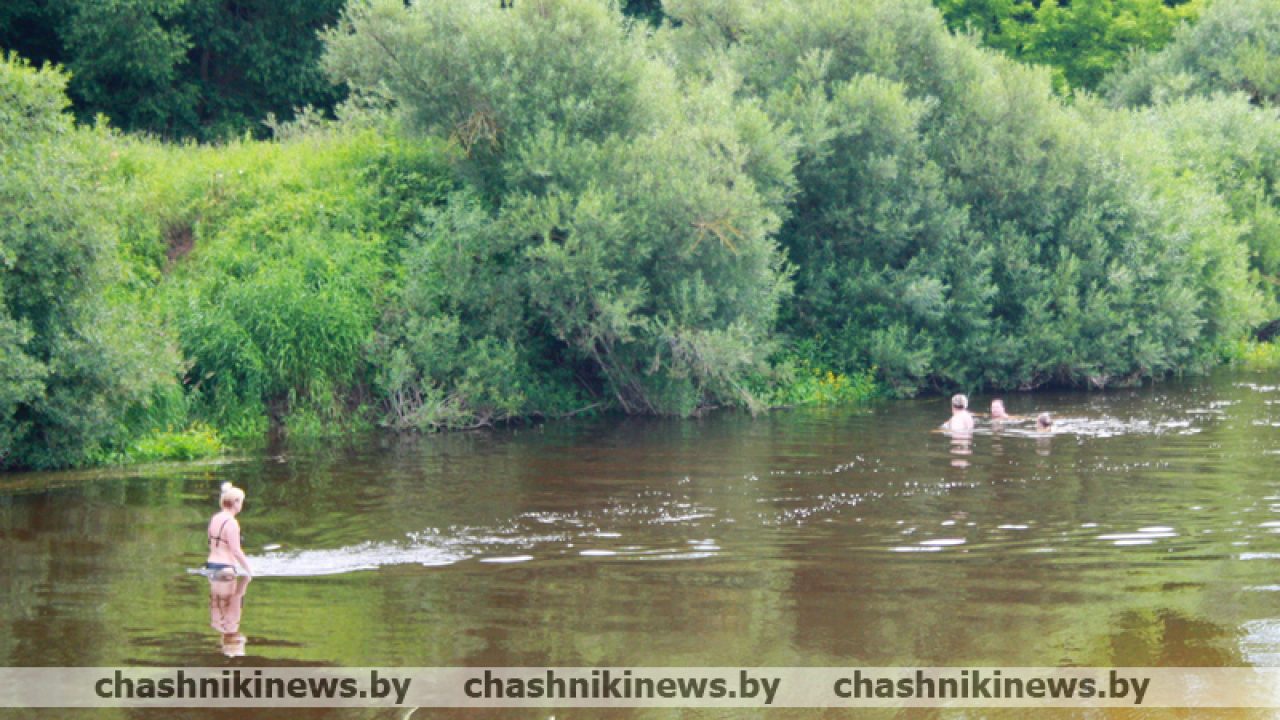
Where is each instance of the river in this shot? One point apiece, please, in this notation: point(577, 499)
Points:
point(1144, 531)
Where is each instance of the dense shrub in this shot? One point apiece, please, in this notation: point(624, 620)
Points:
point(550, 208)
point(1212, 94)
point(1234, 47)
point(615, 229)
point(1235, 145)
point(180, 68)
point(197, 442)
point(1254, 356)
point(956, 224)
point(73, 357)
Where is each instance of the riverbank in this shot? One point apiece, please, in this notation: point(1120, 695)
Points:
point(810, 388)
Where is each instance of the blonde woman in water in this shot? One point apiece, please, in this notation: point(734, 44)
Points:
point(225, 552)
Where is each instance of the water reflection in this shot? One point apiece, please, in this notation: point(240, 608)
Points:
point(226, 603)
point(1044, 443)
point(961, 449)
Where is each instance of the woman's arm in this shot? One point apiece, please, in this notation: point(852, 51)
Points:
point(233, 544)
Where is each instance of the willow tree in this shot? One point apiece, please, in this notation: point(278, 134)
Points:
point(955, 223)
point(619, 220)
point(1235, 47)
point(1212, 93)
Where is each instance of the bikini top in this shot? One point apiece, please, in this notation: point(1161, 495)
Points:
point(216, 540)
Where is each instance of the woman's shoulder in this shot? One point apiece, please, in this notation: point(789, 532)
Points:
point(224, 519)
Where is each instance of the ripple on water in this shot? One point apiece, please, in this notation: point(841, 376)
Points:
point(426, 548)
point(650, 515)
point(365, 556)
point(1144, 536)
point(1260, 642)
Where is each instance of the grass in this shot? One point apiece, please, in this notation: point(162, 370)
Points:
point(1255, 356)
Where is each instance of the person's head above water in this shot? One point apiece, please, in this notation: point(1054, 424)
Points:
point(961, 420)
point(232, 497)
point(997, 409)
point(1044, 422)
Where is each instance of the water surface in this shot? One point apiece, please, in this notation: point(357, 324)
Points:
point(1144, 531)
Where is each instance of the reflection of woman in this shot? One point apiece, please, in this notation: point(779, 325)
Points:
point(226, 601)
point(224, 537)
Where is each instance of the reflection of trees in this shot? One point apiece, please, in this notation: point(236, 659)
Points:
point(71, 562)
point(569, 609)
point(1164, 637)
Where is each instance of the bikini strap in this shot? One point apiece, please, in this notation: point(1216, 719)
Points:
point(220, 527)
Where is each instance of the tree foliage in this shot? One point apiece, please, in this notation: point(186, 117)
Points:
point(180, 68)
point(548, 207)
point(1082, 41)
point(1212, 94)
point(956, 223)
point(1235, 145)
point(1235, 47)
point(72, 360)
point(616, 224)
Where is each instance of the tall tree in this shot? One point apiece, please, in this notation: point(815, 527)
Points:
point(956, 223)
point(180, 68)
point(1235, 47)
point(1081, 40)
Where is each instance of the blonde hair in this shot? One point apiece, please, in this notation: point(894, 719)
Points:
point(959, 401)
point(230, 494)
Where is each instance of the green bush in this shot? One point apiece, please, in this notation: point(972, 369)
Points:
point(74, 356)
point(1212, 93)
point(797, 378)
point(618, 226)
point(955, 223)
point(180, 68)
point(1081, 41)
point(273, 261)
point(550, 209)
point(1254, 356)
point(1234, 47)
point(1234, 145)
point(194, 443)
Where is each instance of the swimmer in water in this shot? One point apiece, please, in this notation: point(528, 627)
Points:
point(998, 411)
point(1044, 423)
point(225, 552)
point(961, 420)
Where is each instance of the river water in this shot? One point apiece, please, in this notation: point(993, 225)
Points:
point(1144, 531)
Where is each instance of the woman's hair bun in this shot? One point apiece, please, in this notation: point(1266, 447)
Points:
point(226, 486)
